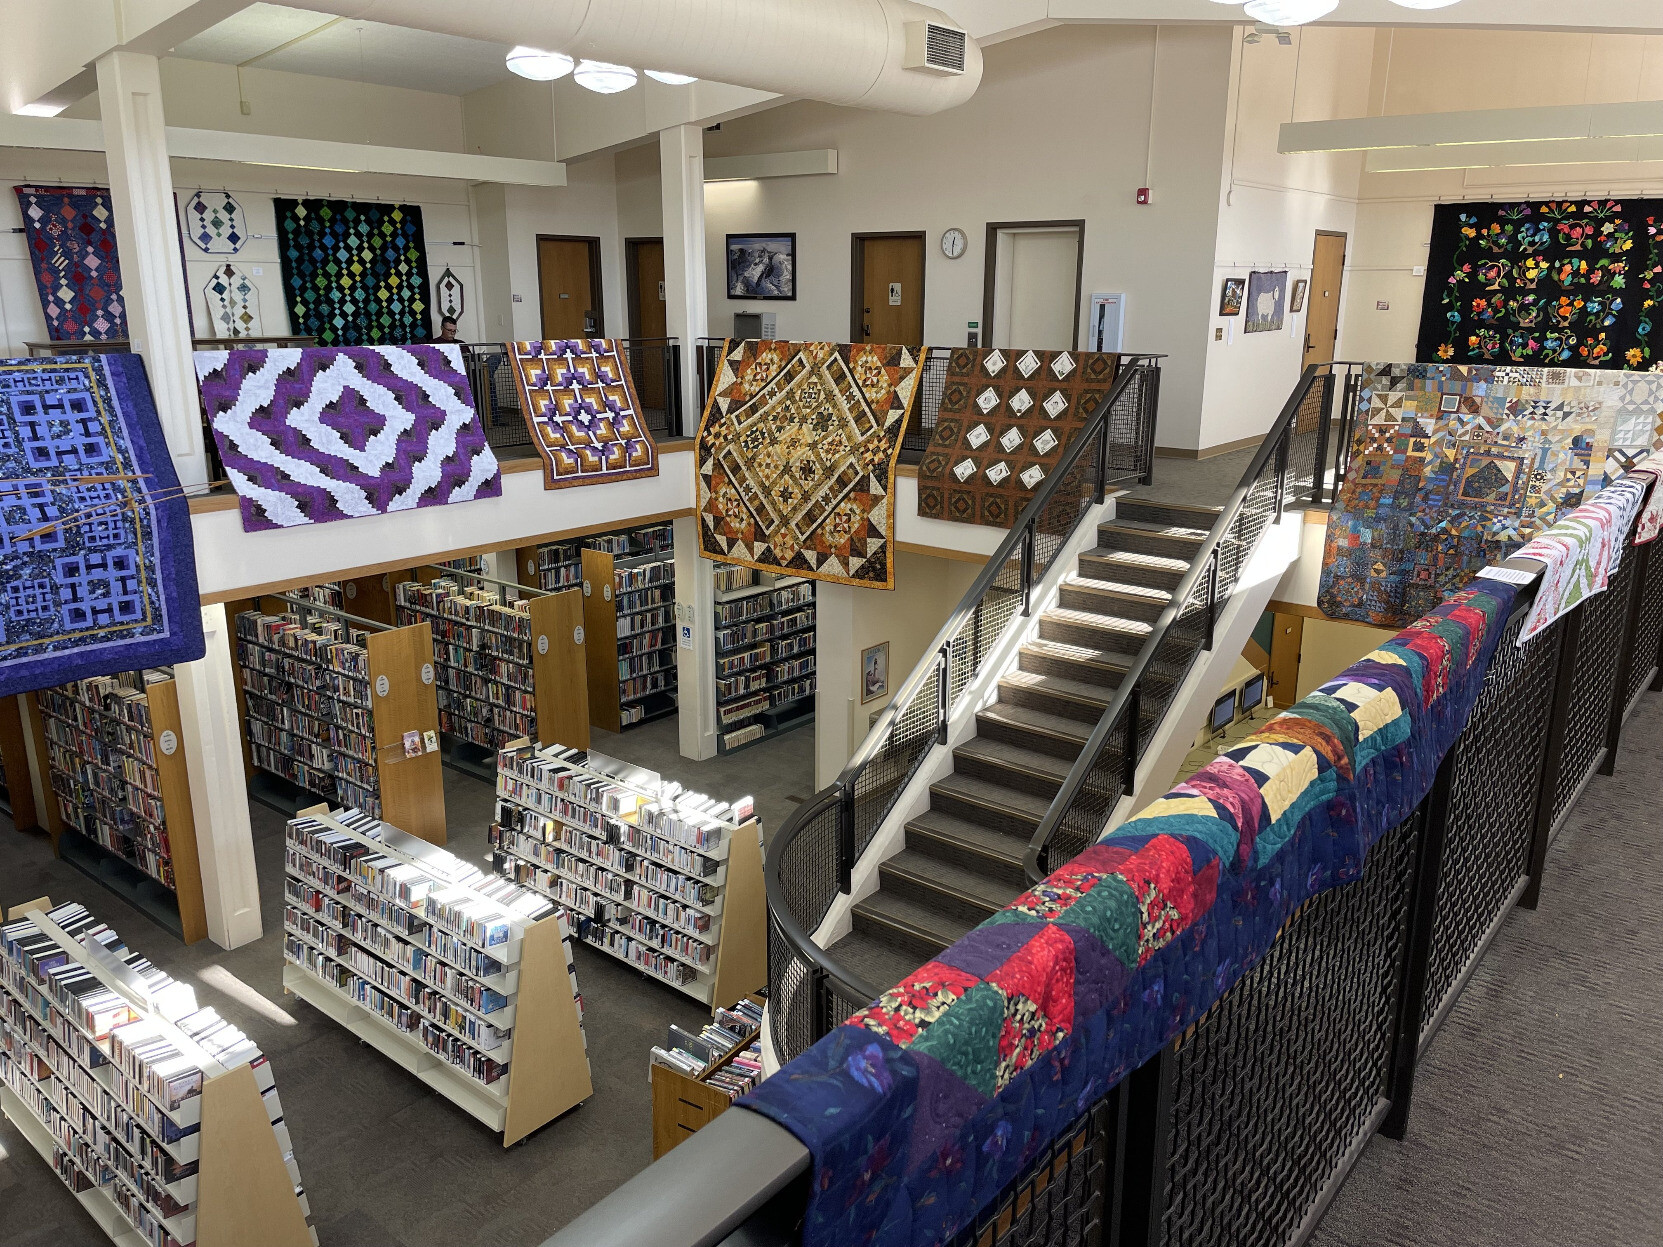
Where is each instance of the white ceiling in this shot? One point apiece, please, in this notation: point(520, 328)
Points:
point(389, 56)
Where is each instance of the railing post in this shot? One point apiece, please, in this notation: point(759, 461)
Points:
point(1027, 567)
point(1553, 755)
point(846, 839)
point(1146, 1151)
point(943, 675)
point(1282, 466)
point(1319, 469)
point(1212, 593)
point(1129, 763)
point(1102, 461)
point(675, 401)
point(819, 1005)
point(1625, 657)
point(1150, 387)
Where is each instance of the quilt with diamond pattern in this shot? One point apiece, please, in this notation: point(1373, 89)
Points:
point(314, 434)
point(579, 403)
point(95, 534)
point(1006, 417)
point(354, 274)
point(70, 232)
point(796, 458)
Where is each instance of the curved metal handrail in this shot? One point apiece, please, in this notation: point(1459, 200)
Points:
point(801, 941)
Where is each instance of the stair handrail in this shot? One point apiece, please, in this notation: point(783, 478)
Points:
point(1126, 703)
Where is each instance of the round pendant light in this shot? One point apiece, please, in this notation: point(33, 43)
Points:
point(1290, 12)
point(1424, 4)
point(669, 79)
point(538, 65)
point(603, 78)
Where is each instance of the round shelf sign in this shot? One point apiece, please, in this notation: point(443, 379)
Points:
point(577, 635)
point(169, 743)
point(381, 686)
point(586, 589)
point(606, 593)
point(427, 673)
point(543, 643)
point(351, 590)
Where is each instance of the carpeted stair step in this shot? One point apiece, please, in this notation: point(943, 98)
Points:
point(1162, 540)
point(996, 854)
point(875, 959)
point(1020, 725)
point(1011, 766)
point(993, 806)
point(1075, 662)
point(951, 888)
point(908, 926)
point(1110, 597)
point(1155, 571)
point(1093, 631)
point(1174, 514)
point(1056, 695)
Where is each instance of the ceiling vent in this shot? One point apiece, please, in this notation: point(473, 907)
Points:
point(934, 49)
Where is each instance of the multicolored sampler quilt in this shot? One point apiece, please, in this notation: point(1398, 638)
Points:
point(95, 533)
point(315, 434)
point(1452, 468)
point(70, 231)
point(920, 1108)
point(580, 405)
point(1005, 419)
point(1573, 281)
point(1582, 552)
point(354, 274)
point(796, 458)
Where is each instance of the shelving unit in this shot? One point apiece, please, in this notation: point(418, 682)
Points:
point(120, 804)
point(162, 1118)
point(684, 1102)
point(558, 565)
point(629, 620)
point(765, 655)
point(665, 879)
point(460, 977)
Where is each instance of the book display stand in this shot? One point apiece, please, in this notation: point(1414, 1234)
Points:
point(696, 1078)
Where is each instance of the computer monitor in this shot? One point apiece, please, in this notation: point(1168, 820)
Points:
point(1252, 694)
point(1224, 713)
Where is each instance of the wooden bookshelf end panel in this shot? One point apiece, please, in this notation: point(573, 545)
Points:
point(600, 640)
point(165, 722)
point(412, 789)
point(245, 1196)
point(549, 1073)
point(559, 669)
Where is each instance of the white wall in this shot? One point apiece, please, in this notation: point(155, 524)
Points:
point(585, 207)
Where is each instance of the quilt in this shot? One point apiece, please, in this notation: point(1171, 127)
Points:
point(921, 1107)
point(232, 302)
point(580, 405)
point(1454, 468)
point(1582, 552)
point(1555, 282)
point(314, 434)
point(215, 222)
point(354, 274)
point(1004, 421)
point(70, 233)
point(95, 533)
point(1651, 515)
point(1267, 302)
point(796, 458)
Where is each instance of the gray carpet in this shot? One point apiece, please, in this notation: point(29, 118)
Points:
point(1199, 482)
point(386, 1162)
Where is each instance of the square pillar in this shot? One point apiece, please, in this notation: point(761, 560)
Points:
point(686, 294)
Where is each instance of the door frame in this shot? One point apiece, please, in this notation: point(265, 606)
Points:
point(857, 274)
point(990, 267)
point(1345, 254)
point(596, 288)
point(632, 283)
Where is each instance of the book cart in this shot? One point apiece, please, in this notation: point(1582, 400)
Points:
point(457, 976)
point(685, 1099)
point(162, 1119)
point(343, 708)
point(118, 802)
point(665, 879)
point(765, 655)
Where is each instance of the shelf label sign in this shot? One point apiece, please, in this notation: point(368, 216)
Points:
point(169, 743)
point(543, 643)
point(577, 635)
point(427, 673)
point(381, 686)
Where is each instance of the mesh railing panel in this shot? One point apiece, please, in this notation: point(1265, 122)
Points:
point(1492, 807)
point(1305, 440)
point(1285, 1073)
point(791, 1003)
point(808, 867)
point(1648, 628)
point(1593, 683)
point(916, 437)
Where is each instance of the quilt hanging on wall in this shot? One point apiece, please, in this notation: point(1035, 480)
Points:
point(796, 458)
point(216, 222)
point(1572, 282)
point(70, 232)
point(314, 434)
point(579, 403)
point(95, 534)
point(232, 302)
point(1005, 419)
point(354, 274)
point(1454, 467)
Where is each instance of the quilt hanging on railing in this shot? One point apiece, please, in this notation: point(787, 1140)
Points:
point(580, 406)
point(1457, 466)
point(796, 458)
point(920, 1109)
point(314, 434)
point(95, 533)
point(354, 274)
point(1005, 419)
point(1571, 282)
point(70, 233)
point(1582, 552)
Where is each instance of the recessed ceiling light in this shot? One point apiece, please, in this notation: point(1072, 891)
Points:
point(602, 77)
point(674, 80)
point(538, 65)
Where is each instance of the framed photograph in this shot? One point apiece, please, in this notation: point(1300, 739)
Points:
point(1231, 296)
point(762, 266)
point(1267, 301)
point(874, 672)
point(1297, 302)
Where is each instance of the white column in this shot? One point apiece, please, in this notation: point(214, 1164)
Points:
point(836, 663)
point(686, 297)
point(219, 790)
point(147, 235)
point(696, 667)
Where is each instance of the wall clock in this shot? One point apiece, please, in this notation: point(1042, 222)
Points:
point(953, 243)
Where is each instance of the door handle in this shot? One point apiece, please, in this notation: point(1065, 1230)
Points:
point(1307, 342)
point(866, 329)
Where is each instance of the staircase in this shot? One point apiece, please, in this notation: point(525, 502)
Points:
point(962, 860)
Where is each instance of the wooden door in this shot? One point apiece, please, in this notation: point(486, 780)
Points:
point(1322, 301)
point(648, 318)
point(1285, 641)
point(566, 282)
point(890, 304)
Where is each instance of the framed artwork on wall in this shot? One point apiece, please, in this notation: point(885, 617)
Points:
point(1297, 302)
point(1230, 297)
point(1267, 301)
point(762, 266)
point(874, 672)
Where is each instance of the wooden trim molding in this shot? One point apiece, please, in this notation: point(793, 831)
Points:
point(990, 267)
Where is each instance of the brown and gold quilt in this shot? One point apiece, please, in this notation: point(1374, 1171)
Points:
point(579, 403)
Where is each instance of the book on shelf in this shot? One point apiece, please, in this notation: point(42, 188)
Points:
point(765, 656)
point(482, 654)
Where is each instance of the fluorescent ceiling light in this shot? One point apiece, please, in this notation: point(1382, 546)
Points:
point(669, 79)
point(604, 78)
point(538, 65)
point(39, 110)
point(1290, 12)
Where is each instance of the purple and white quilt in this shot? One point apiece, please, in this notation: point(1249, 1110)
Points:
point(314, 434)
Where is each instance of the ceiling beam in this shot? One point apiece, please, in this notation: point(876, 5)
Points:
point(770, 165)
point(1639, 119)
point(1510, 155)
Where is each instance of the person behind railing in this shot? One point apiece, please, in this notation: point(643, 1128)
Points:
point(447, 329)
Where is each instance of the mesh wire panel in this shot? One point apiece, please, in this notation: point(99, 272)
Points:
point(1305, 439)
point(915, 438)
point(791, 1004)
point(1274, 1084)
point(1058, 1200)
point(1648, 628)
point(1492, 806)
point(1593, 681)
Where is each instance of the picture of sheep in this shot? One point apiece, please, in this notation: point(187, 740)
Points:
point(1267, 300)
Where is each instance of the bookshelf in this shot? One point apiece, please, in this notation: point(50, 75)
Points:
point(160, 1117)
point(559, 564)
point(459, 977)
point(119, 803)
point(694, 1081)
point(629, 620)
point(765, 655)
point(342, 708)
point(665, 879)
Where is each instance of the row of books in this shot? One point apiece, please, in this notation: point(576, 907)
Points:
point(697, 1055)
point(740, 635)
point(759, 604)
point(629, 579)
point(729, 577)
point(765, 677)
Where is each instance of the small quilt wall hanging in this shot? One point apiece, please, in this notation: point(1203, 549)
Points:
point(354, 274)
point(70, 232)
point(233, 303)
point(1572, 282)
point(215, 222)
point(95, 533)
point(315, 434)
point(579, 403)
point(796, 458)
point(1452, 468)
point(448, 295)
point(1005, 419)
point(1582, 552)
point(1267, 302)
